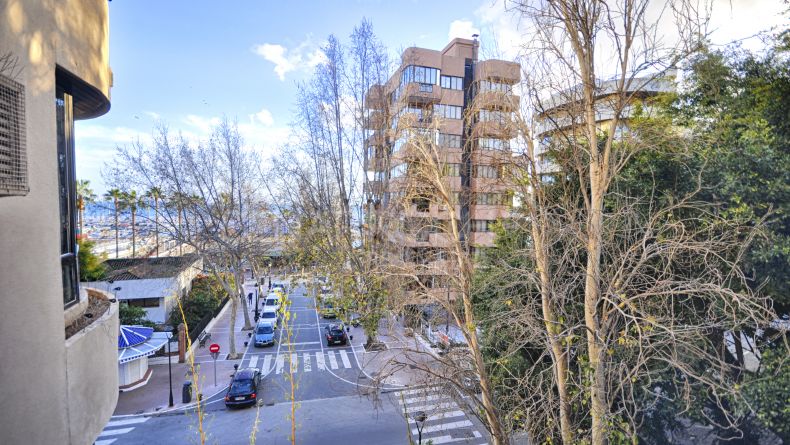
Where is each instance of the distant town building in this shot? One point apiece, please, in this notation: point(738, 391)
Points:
point(59, 378)
point(467, 105)
point(153, 284)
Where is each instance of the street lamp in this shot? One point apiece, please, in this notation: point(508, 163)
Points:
point(420, 417)
point(169, 370)
point(256, 300)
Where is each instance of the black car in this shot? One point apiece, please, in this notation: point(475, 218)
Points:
point(335, 334)
point(243, 388)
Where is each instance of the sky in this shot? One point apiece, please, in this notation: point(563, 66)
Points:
point(188, 63)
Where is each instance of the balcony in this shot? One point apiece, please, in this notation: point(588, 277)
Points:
point(481, 238)
point(375, 140)
point(495, 100)
point(376, 121)
point(92, 370)
point(500, 129)
point(506, 72)
point(420, 93)
point(376, 98)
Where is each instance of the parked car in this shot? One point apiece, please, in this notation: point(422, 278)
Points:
point(336, 334)
point(243, 388)
point(270, 316)
point(264, 333)
point(272, 302)
point(280, 287)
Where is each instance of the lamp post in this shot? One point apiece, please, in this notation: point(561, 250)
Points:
point(420, 418)
point(257, 292)
point(169, 371)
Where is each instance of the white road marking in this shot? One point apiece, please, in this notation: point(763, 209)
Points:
point(433, 407)
point(279, 363)
point(122, 422)
point(104, 442)
point(449, 439)
point(304, 343)
point(319, 361)
point(332, 359)
point(294, 363)
point(306, 361)
point(344, 358)
point(420, 391)
point(115, 432)
point(267, 364)
point(444, 426)
point(254, 361)
point(419, 399)
point(444, 415)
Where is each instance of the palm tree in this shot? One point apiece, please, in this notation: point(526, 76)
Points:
point(85, 196)
point(156, 194)
point(114, 195)
point(132, 201)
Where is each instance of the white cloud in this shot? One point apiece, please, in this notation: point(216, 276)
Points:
point(304, 56)
point(463, 29)
point(264, 117)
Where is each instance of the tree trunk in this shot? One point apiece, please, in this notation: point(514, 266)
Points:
point(234, 306)
point(156, 225)
point(134, 235)
point(240, 292)
point(115, 205)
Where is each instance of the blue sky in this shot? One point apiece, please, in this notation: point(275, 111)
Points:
point(190, 62)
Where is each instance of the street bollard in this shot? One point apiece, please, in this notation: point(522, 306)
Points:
point(186, 392)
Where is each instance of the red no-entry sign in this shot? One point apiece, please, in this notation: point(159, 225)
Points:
point(213, 348)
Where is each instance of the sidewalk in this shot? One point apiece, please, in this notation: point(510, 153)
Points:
point(154, 396)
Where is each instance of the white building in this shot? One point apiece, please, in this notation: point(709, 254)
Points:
point(151, 283)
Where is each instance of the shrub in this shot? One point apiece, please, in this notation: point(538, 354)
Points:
point(91, 267)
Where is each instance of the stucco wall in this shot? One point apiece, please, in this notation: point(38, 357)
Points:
point(41, 34)
point(92, 377)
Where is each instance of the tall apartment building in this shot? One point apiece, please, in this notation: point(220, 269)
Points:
point(465, 107)
point(59, 377)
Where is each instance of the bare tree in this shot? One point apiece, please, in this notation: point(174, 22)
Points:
point(213, 204)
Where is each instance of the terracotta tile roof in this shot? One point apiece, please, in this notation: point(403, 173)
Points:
point(147, 268)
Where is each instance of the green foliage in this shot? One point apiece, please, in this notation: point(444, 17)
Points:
point(768, 393)
point(133, 315)
point(203, 299)
point(91, 267)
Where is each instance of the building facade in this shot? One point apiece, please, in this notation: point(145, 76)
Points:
point(463, 108)
point(59, 375)
point(153, 284)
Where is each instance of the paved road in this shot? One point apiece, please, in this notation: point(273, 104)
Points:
point(328, 386)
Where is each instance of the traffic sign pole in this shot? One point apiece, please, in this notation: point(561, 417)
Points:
point(214, 349)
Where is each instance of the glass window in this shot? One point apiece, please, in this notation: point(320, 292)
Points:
point(448, 111)
point(486, 171)
point(493, 144)
point(67, 196)
point(452, 169)
point(419, 74)
point(449, 140)
point(482, 225)
point(452, 82)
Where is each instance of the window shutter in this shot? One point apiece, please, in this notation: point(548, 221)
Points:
point(13, 159)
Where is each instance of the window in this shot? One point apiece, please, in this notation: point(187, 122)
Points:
point(419, 74)
point(426, 88)
point(483, 225)
point(449, 140)
point(491, 199)
point(487, 85)
point(493, 116)
point(67, 196)
point(448, 111)
point(13, 159)
point(486, 171)
point(452, 170)
point(452, 82)
point(143, 302)
point(493, 144)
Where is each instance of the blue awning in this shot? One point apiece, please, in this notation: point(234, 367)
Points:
point(149, 346)
point(133, 335)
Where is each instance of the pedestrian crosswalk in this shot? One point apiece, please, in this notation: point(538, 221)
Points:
point(445, 421)
point(301, 361)
point(118, 427)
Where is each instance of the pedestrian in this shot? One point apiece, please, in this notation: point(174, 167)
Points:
point(249, 298)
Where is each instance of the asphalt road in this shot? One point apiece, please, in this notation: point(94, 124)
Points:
point(329, 397)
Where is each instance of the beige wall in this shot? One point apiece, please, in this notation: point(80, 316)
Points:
point(92, 391)
point(41, 34)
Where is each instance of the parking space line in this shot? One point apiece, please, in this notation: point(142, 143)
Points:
point(319, 361)
point(332, 359)
point(344, 358)
point(306, 360)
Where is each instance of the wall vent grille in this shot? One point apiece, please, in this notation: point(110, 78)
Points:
point(13, 156)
